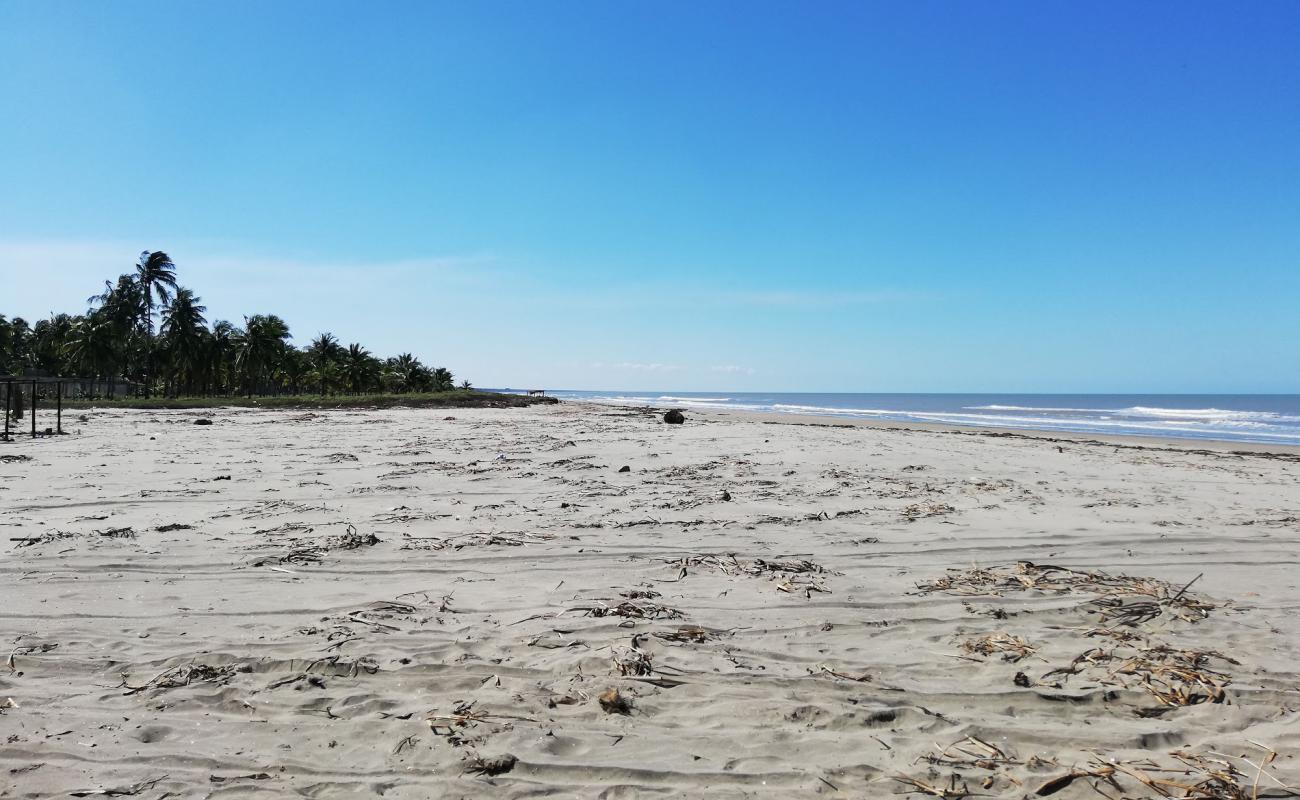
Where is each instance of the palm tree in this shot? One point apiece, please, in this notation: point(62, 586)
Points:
point(406, 371)
point(183, 334)
point(157, 277)
point(219, 357)
point(360, 369)
point(443, 381)
point(293, 368)
point(323, 353)
point(93, 348)
point(259, 348)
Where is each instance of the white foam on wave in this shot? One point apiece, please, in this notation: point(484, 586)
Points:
point(1203, 423)
point(1045, 410)
point(1206, 414)
point(798, 409)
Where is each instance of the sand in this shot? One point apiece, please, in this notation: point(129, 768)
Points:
point(390, 603)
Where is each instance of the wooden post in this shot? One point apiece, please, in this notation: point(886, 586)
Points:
point(58, 413)
point(33, 411)
point(9, 389)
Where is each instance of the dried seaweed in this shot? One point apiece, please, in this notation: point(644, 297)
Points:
point(1124, 599)
point(184, 675)
point(1010, 647)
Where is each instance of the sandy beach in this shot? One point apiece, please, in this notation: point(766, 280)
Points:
point(485, 603)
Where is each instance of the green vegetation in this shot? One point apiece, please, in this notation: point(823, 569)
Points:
point(457, 398)
point(148, 331)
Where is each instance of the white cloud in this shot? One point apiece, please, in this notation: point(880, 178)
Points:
point(732, 369)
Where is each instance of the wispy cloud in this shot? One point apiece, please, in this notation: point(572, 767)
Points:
point(636, 366)
point(231, 281)
point(732, 369)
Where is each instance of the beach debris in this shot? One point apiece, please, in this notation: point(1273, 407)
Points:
point(173, 526)
point(688, 634)
point(203, 421)
point(1012, 648)
point(252, 776)
point(726, 496)
point(49, 536)
point(351, 540)
point(339, 458)
point(950, 792)
point(505, 539)
point(492, 765)
point(1173, 677)
point(625, 468)
point(1124, 599)
point(183, 675)
point(790, 575)
point(464, 716)
point(13, 458)
point(1211, 776)
point(674, 417)
point(921, 510)
point(636, 607)
point(614, 702)
point(633, 661)
point(118, 533)
point(26, 650)
point(121, 791)
point(971, 752)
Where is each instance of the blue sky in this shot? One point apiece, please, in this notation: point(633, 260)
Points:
point(855, 196)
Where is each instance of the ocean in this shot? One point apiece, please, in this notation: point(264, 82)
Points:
point(1264, 418)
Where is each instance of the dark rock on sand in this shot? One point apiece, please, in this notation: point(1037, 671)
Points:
point(674, 417)
point(202, 421)
point(624, 468)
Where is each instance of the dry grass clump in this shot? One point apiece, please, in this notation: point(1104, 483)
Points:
point(1123, 599)
point(1009, 647)
point(629, 609)
point(350, 540)
point(454, 726)
point(688, 634)
point(184, 675)
point(1205, 776)
point(1210, 776)
point(791, 575)
point(1173, 677)
point(505, 539)
point(922, 510)
point(633, 661)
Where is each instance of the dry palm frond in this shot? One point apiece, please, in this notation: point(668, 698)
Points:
point(950, 792)
point(184, 675)
point(1011, 648)
point(630, 609)
point(1124, 599)
point(971, 752)
point(633, 661)
point(1174, 677)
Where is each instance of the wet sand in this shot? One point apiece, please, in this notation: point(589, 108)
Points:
point(388, 603)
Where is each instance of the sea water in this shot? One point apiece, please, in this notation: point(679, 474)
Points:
point(1271, 418)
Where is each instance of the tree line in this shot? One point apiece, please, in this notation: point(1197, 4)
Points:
point(148, 330)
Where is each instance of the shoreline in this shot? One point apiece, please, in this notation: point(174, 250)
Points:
point(1176, 443)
